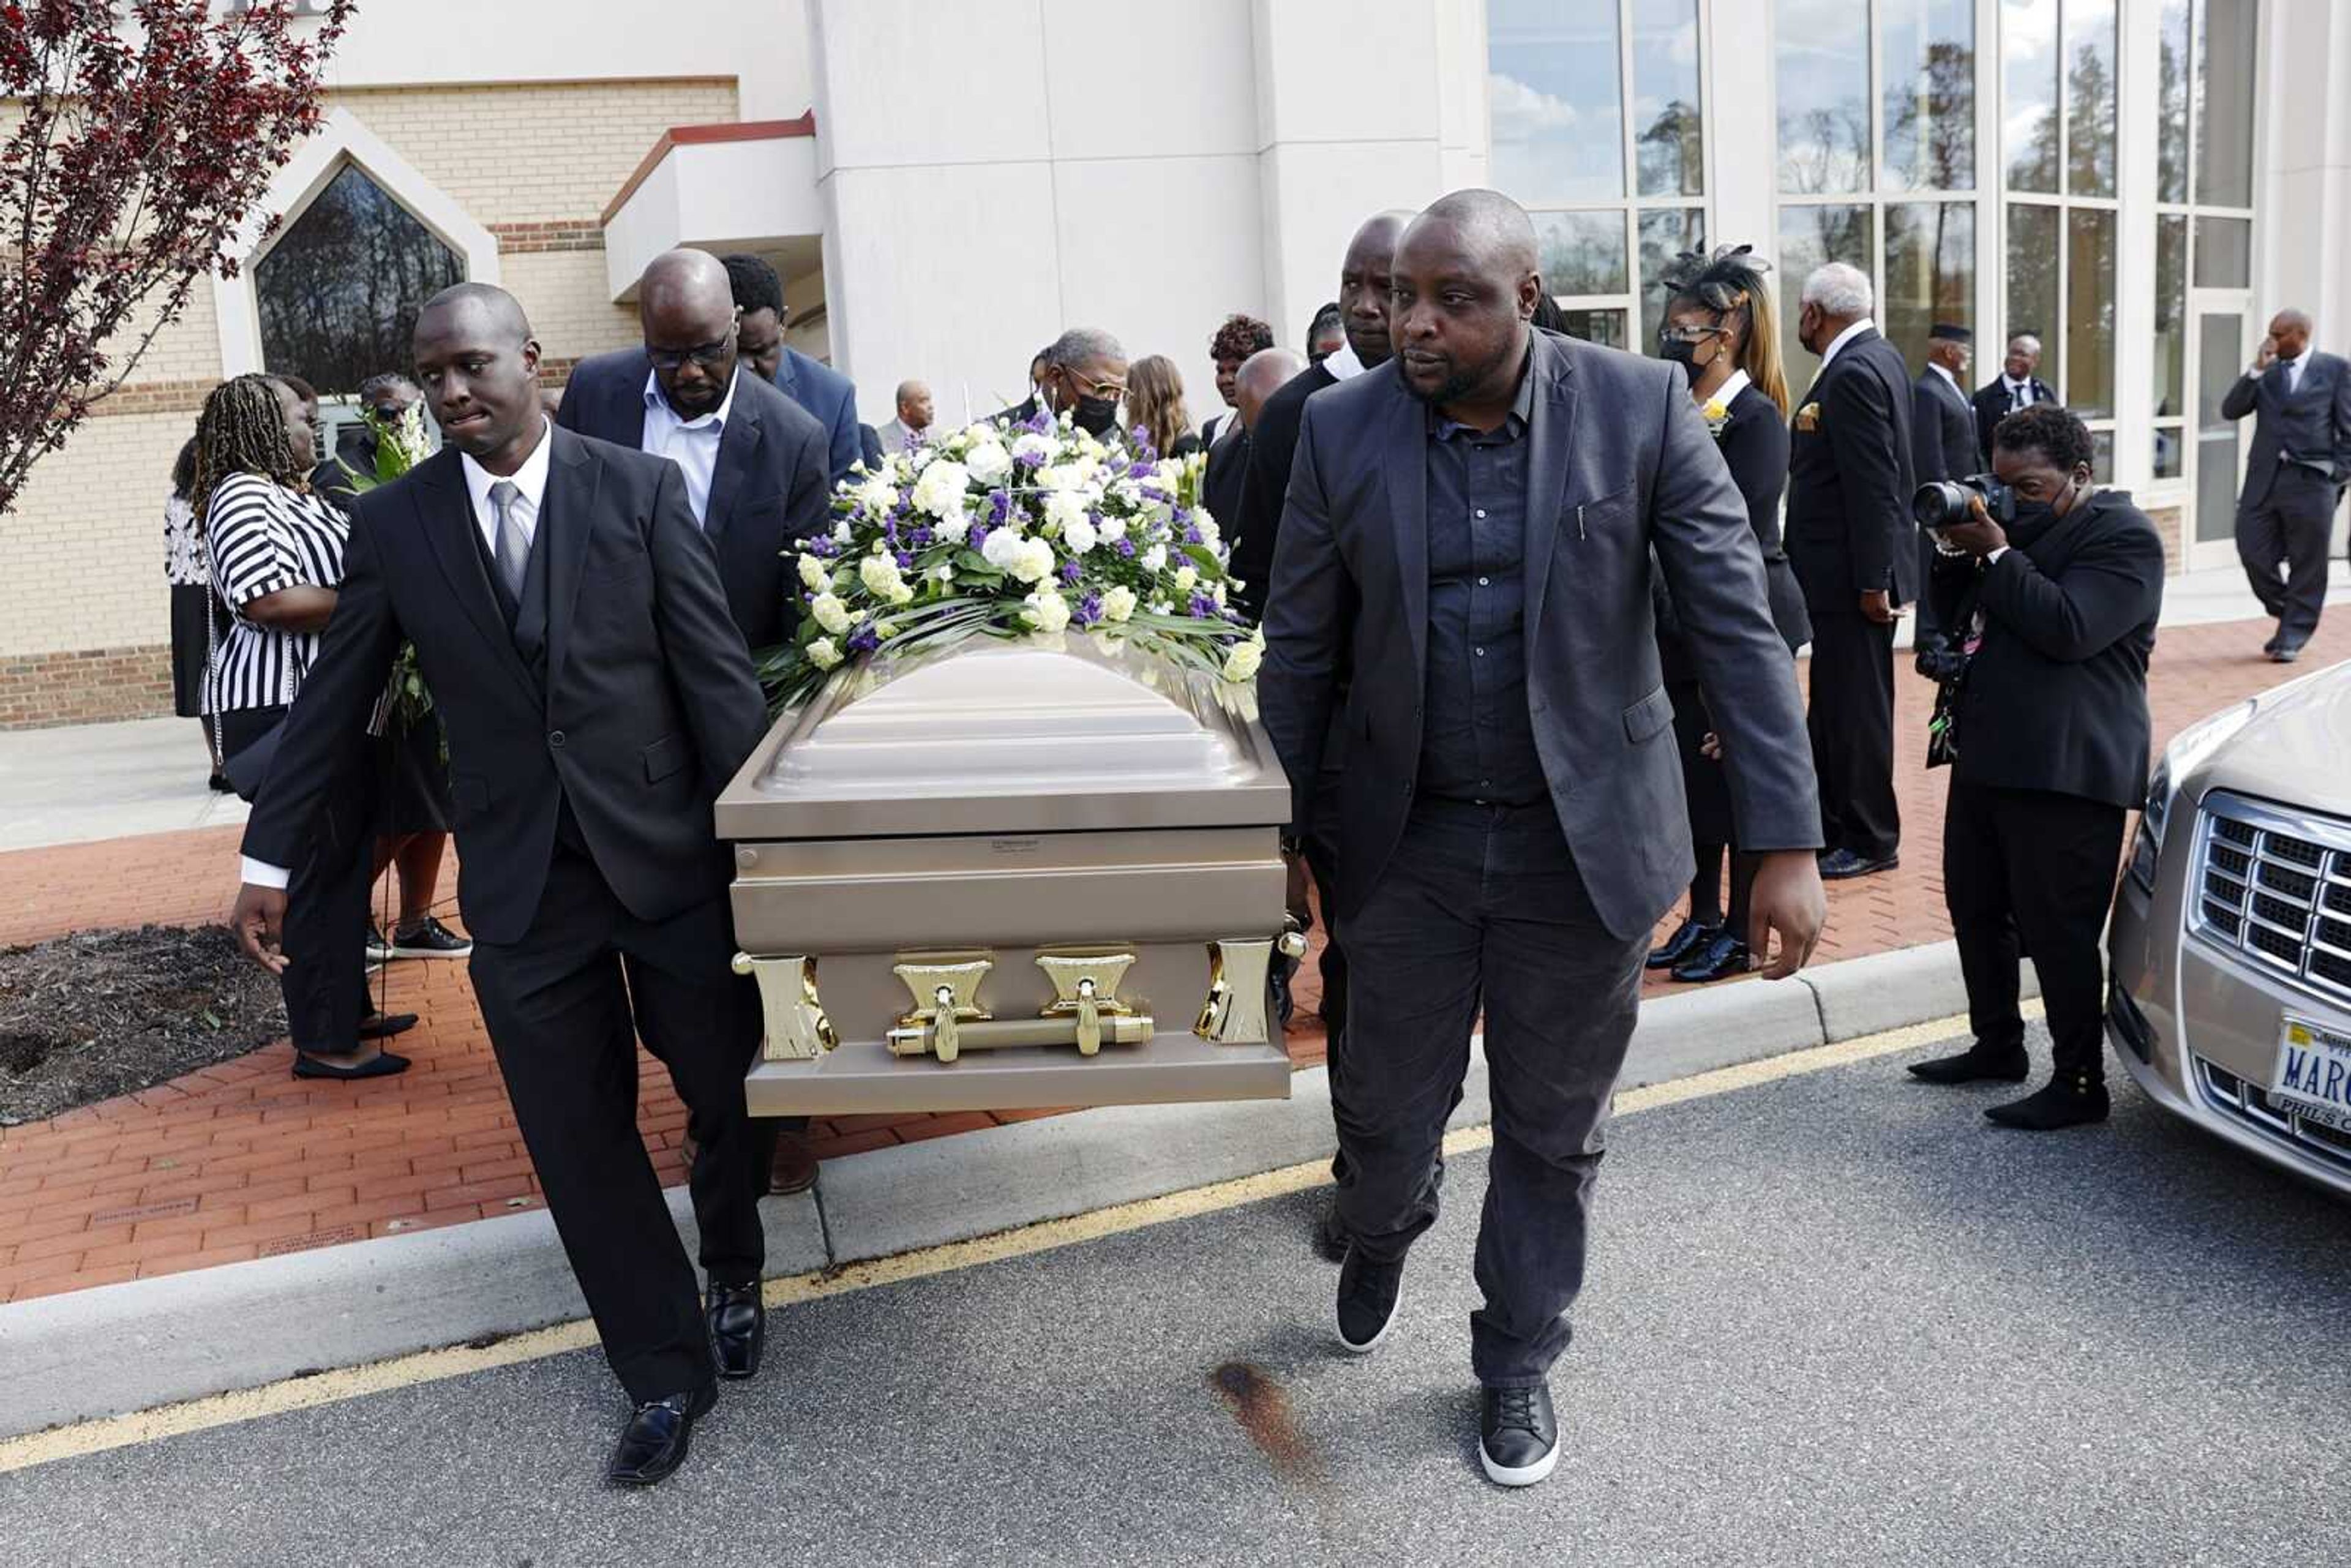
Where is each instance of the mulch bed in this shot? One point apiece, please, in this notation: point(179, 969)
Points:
point(100, 1013)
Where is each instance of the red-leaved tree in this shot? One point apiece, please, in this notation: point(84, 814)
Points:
point(139, 136)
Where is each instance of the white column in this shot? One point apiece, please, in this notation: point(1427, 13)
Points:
point(2138, 107)
point(1743, 134)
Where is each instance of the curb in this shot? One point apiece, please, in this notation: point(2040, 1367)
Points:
point(118, 1348)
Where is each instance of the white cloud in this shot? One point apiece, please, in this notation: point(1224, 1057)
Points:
point(1521, 112)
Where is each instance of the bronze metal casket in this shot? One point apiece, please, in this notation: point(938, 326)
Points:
point(1016, 874)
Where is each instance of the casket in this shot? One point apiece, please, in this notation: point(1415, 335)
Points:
point(1015, 874)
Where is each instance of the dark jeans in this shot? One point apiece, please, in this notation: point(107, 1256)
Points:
point(565, 1008)
point(1482, 907)
point(1851, 721)
point(325, 986)
point(2030, 871)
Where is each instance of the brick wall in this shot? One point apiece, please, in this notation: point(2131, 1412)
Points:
point(85, 687)
point(2171, 522)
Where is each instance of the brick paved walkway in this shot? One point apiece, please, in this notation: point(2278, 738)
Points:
point(240, 1160)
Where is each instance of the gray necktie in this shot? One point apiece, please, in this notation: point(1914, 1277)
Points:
point(511, 554)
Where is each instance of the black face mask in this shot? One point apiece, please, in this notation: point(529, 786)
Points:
point(2034, 518)
point(1675, 351)
point(1097, 416)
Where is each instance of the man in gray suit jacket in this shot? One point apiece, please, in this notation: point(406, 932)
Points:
point(2300, 462)
point(1469, 530)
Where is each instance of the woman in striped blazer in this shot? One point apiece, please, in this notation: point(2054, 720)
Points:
point(276, 554)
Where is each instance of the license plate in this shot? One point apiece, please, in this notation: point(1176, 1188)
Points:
point(2313, 1074)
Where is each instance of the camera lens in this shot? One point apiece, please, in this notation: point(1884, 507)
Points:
point(1941, 505)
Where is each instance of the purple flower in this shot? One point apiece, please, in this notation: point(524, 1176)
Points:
point(820, 547)
point(865, 639)
point(1070, 573)
point(1090, 610)
point(1144, 451)
point(976, 537)
point(1030, 459)
point(1204, 607)
point(999, 506)
point(920, 538)
point(1192, 536)
point(1040, 421)
point(906, 561)
point(1127, 549)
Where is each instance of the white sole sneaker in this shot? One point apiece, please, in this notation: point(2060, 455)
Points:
point(1522, 1475)
point(1373, 1343)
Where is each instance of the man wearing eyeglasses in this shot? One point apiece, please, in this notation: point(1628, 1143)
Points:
point(1085, 378)
point(755, 471)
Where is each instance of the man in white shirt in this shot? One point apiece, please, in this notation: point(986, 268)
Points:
point(2015, 387)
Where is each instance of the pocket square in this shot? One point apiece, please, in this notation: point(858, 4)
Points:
point(1808, 417)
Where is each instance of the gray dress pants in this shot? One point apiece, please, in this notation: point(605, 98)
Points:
point(1482, 908)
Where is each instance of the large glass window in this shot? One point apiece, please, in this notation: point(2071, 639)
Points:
point(2090, 97)
point(1930, 267)
point(2225, 74)
point(1597, 127)
point(2090, 312)
point(1823, 81)
point(338, 293)
point(2028, 127)
point(1811, 236)
point(2032, 293)
point(1929, 50)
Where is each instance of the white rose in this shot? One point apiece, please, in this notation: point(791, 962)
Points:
point(813, 573)
point(1154, 559)
point(1035, 561)
point(830, 614)
point(1064, 508)
point(1055, 476)
point(954, 530)
point(1001, 548)
point(987, 461)
point(1241, 663)
point(1218, 590)
point(880, 575)
point(1127, 494)
point(1080, 535)
point(841, 532)
point(942, 573)
point(1209, 533)
point(822, 653)
point(1118, 604)
point(1113, 529)
point(1046, 610)
point(876, 495)
point(1033, 446)
point(1186, 576)
point(940, 490)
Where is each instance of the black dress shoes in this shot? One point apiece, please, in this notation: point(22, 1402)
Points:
point(1367, 1300)
point(1722, 956)
point(738, 1328)
point(1686, 939)
point(653, 1444)
point(1978, 1063)
point(1518, 1435)
point(2069, 1099)
point(2285, 654)
point(2271, 646)
point(1839, 865)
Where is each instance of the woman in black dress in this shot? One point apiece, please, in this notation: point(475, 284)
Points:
point(1720, 325)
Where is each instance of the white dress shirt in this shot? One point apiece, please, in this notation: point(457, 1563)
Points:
point(691, 443)
point(2293, 369)
point(2019, 393)
point(1342, 363)
point(1837, 343)
point(1729, 390)
point(1944, 370)
point(530, 484)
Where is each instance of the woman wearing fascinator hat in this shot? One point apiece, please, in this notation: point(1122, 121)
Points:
point(1720, 325)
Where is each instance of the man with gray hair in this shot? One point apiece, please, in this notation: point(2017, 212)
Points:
point(912, 427)
point(1085, 377)
point(1857, 554)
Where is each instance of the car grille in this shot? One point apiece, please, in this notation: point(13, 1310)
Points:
point(2248, 1104)
point(2276, 887)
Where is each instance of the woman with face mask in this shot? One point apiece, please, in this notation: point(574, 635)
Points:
point(2052, 591)
point(1719, 327)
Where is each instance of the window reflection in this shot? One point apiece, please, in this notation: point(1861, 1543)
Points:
point(1555, 114)
point(1603, 327)
point(1823, 81)
point(338, 293)
point(1928, 52)
point(2033, 284)
point(2171, 314)
point(2224, 252)
point(1582, 252)
point(1666, 129)
point(2224, 104)
point(2090, 97)
point(2171, 102)
point(1664, 236)
point(2088, 388)
point(1809, 236)
point(1930, 271)
point(2027, 132)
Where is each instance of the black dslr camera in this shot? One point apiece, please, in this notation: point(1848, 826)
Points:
point(1944, 503)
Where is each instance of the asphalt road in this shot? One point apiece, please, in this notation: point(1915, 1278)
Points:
point(1833, 1319)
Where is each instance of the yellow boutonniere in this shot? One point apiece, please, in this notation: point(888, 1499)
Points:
point(1808, 417)
point(1716, 416)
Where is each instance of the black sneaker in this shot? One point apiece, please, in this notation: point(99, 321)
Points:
point(428, 939)
point(379, 951)
point(1518, 1435)
point(1367, 1301)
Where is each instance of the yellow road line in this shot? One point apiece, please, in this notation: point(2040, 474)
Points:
point(141, 1426)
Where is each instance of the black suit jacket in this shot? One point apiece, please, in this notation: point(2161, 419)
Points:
point(645, 707)
point(1220, 485)
point(1754, 447)
point(2055, 698)
point(1942, 430)
point(770, 491)
point(1849, 480)
point(1619, 465)
point(2301, 444)
point(1274, 441)
point(1991, 406)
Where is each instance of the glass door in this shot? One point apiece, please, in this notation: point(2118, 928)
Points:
point(2219, 352)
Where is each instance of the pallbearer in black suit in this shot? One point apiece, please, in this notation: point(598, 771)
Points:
point(2049, 734)
point(568, 615)
point(2015, 387)
point(1719, 327)
point(2295, 475)
point(1468, 535)
point(1857, 554)
point(1942, 443)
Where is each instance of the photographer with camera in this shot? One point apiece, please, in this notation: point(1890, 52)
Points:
point(2050, 587)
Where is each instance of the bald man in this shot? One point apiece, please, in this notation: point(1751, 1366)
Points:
point(567, 612)
point(913, 425)
point(1462, 583)
point(2295, 476)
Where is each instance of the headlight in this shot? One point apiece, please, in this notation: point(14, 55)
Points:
point(2189, 750)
